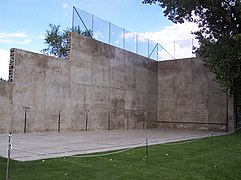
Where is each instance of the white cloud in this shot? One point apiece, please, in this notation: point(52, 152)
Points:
point(98, 35)
point(41, 37)
point(173, 32)
point(65, 5)
point(12, 35)
point(176, 40)
point(130, 36)
point(26, 41)
point(14, 38)
point(6, 41)
point(4, 63)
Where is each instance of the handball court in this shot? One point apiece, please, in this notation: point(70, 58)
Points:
point(35, 146)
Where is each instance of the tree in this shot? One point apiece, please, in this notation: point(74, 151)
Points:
point(219, 34)
point(57, 40)
point(2, 80)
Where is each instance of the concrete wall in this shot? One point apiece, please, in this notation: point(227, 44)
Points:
point(99, 87)
point(102, 87)
point(5, 106)
point(116, 88)
point(188, 97)
point(41, 83)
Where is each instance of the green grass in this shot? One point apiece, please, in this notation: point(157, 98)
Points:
point(201, 159)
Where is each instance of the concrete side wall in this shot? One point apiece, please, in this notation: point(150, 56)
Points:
point(188, 97)
point(40, 83)
point(5, 106)
point(118, 88)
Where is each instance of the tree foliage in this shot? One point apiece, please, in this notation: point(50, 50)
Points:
point(219, 33)
point(3, 80)
point(57, 40)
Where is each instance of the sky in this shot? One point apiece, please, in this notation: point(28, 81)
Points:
point(23, 24)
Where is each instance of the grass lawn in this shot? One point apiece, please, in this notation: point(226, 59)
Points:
point(202, 159)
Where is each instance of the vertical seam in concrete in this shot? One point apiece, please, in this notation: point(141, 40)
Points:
point(92, 87)
point(109, 95)
point(110, 89)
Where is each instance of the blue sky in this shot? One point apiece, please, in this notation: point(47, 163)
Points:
point(23, 23)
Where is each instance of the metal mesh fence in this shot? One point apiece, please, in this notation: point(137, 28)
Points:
point(109, 33)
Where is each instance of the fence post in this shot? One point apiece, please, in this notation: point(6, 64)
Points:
point(73, 20)
point(147, 155)
point(127, 123)
point(109, 31)
point(157, 52)
point(148, 48)
point(25, 118)
point(192, 48)
point(212, 138)
point(174, 50)
point(92, 24)
point(9, 154)
point(59, 123)
point(86, 119)
point(109, 119)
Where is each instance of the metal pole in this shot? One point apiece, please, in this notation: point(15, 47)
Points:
point(157, 52)
point(153, 50)
point(212, 139)
point(147, 158)
point(174, 51)
point(148, 48)
point(227, 112)
point(86, 120)
point(92, 24)
point(9, 153)
point(25, 121)
point(127, 122)
point(109, 121)
point(123, 38)
point(73, 20)
point(80, 18)
point(192, 47)
point(109, 31)
point(136, 43)
point(25, 118)
point(59, 123)
point(235, 109)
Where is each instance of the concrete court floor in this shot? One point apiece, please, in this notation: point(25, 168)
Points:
point(35, 146)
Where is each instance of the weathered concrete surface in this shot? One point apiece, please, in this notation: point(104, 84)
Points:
point(102, 87)
point(118, 88)
point(188, 97)
point(5, 106)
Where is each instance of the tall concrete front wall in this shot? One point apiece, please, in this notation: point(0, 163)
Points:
point(102, 87)
point(115, 88)
point(188, 97)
